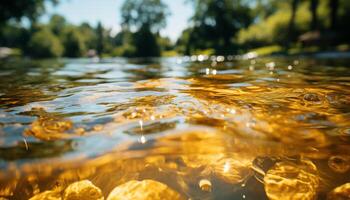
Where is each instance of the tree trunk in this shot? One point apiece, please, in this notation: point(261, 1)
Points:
point(291, 31)
point(314, 18)
point(334, 5)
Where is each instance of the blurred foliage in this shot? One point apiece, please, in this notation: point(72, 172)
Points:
point(44, 43)
point(146, 43)
point(273, 29)
point(267, 50)
point(144, 13)
point(16, 9)
point(99, 34)
point(214, 24)
point(73, 43)
point(14, 35)
point(142, 20)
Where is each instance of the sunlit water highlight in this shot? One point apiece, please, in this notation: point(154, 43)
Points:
point(190, 127)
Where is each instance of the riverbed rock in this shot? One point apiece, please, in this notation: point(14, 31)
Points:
point(47, 195)
point(292, 181)
point(82, 190)
point(143, 190)
point(340, 193)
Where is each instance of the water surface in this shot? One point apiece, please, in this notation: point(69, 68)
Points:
point(206, 127)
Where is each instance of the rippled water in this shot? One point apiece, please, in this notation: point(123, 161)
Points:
point(198, 127)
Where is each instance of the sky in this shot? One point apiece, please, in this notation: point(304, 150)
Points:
point(108, 12)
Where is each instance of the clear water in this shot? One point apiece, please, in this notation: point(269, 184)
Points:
point(208, 128)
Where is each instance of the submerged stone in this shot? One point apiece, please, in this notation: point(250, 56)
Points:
point(292, 181)
point(82, 190)
point(231, 170)
point(143, 190)
point(340, 193)
point(47, 195)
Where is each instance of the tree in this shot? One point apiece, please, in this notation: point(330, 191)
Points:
point(45, 44)
point(217, 22)
point(57, 24)
point(14, 35)
point(334, 5)
point(99, 33)
point(73, 43)
point(146, 43)
point(144, 13)
point(88, 35)
point(291, 27)
point(314, 18)
point(147, 18)
point(16, 9)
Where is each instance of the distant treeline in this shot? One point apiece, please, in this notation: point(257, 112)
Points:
point(217, 27)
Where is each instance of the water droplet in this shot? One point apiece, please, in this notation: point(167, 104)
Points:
point(251, 68)
point(214, 72)
point(141, 124)
point(270, 65)
point(193, 58)
point(179, 61)
point(220, 58)
point(340, 164)
point(311, 97)
point(226, 167)
point(207, 71)
point(200, 58)
point(133, 114)
point(98, 127)
point(205, 185)
point(143, 139)
point(290, 67)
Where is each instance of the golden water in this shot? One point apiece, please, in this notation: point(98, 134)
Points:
point(273, 128)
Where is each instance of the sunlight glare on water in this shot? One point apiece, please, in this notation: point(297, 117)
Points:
point(194, 127)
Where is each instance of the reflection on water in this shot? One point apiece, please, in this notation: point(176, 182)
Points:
point(177, 128)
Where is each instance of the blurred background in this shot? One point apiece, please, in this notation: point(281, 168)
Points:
point(153, 28)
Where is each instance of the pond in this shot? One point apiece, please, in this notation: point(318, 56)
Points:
point(175, 128)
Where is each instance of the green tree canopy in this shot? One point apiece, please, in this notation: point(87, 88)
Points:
point(73, 43)
point(146, 17)
point(138, 13)
point(44, 44)
point(217, 22)
point(57, 24)
point(16, 9)
point(99, 43)
point(146, 43)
